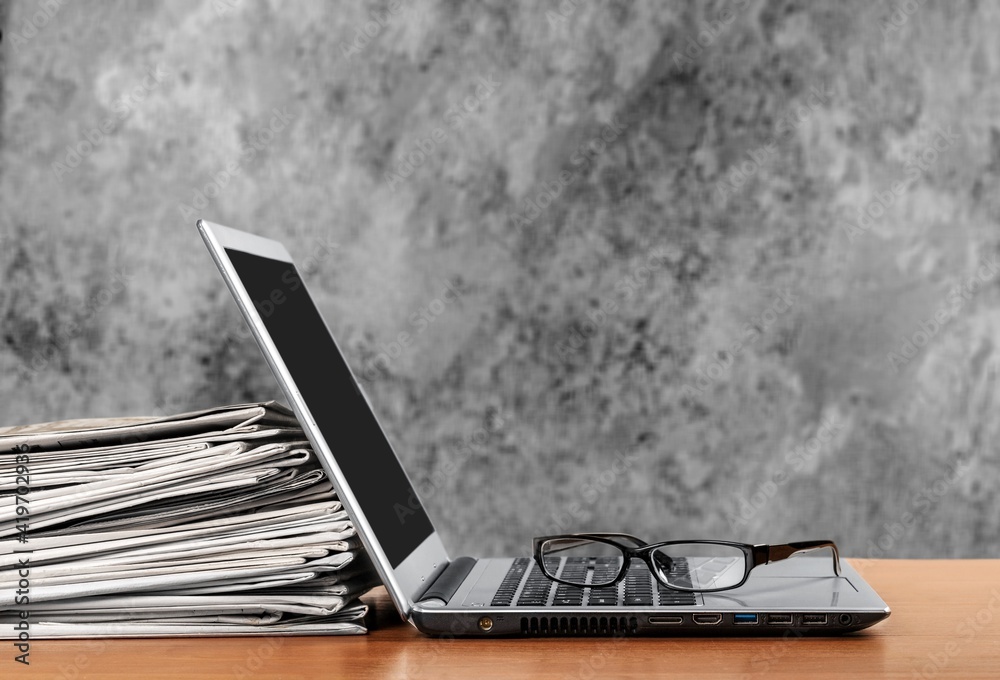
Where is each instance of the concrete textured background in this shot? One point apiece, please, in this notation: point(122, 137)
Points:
point(708, 269)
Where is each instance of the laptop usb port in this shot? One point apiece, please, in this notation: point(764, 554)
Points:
point(745, 619)
point(666, 620)
point(779, 619)
point(814, 619)
point(707, 619)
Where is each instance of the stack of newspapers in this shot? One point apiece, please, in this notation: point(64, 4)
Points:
point(217, 522)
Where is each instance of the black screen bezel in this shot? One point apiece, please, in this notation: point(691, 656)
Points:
point(383, 491)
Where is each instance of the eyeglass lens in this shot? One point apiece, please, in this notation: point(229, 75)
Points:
point(591, 563)
point(684, 566)
point(709, 566)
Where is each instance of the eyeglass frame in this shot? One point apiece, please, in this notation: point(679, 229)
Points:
point(754, 554)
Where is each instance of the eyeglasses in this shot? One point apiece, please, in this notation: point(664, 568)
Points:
point(602, 559)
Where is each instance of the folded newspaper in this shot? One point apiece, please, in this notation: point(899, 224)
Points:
point(216, 522)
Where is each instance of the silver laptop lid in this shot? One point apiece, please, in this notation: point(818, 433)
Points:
point(332, 409)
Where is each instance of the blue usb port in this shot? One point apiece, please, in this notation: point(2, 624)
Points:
point(744, 619)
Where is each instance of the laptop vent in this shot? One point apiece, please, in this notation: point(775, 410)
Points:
point(578, 625)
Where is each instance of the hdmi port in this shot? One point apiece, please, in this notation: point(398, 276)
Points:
point(666, 620)
point(707, 619)
point(779, 619)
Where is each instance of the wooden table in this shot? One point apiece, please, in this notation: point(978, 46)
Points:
point(945, 623)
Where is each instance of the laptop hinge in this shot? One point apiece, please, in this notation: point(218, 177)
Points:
point(448, 581)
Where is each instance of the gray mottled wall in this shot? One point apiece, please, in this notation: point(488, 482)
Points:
point(685, 270)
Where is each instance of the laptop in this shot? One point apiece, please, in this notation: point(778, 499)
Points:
point(488, 597)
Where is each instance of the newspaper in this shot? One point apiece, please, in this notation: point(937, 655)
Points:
point(215, 522)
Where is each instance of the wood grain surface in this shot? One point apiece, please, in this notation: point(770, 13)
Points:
point(944, 624)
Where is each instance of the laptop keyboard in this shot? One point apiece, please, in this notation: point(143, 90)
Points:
point(526, 586)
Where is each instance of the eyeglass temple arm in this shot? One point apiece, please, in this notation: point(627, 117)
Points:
point(765, 554)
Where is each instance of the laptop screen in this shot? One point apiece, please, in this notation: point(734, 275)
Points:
point(336, 403)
